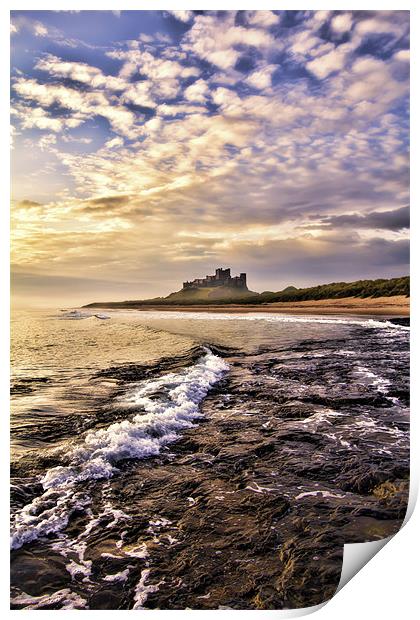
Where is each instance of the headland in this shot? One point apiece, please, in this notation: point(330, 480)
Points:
point(223, 293)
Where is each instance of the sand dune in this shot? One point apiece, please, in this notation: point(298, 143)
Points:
point(398, 305)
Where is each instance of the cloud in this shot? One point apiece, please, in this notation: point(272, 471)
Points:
point(35, 27)
point(371, 78)
point(38, 118)
point(86, 104)
point(177, 109)
point(217, 41)
point(153, 67)
point(395, 220)
point(182, 16)
point(140, 93)
point(272, 110)
point(163, 76)
point(40, 30)
point(261, 78)
point(114, 142)
point(263, 19)
point(342, 22)
point(29, 204)
point(48, 94)
point(319, 18)
point(78, 139)
point(303, 174)
point(402, 55)
point(80, 72)
point(378, 25)
point(329, 63)
point(198, 91)
point(46, 141)
point(108, 201)
point(305, 41)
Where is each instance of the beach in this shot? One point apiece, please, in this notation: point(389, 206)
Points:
point(192, 460)
point(397, 305)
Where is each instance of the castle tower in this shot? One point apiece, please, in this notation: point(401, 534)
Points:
point(222, 274)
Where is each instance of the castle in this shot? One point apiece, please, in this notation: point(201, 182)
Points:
point(222, 277)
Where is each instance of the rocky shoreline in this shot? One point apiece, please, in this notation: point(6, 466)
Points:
point(297, 454)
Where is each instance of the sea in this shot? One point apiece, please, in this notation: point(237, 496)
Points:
point(197, 460)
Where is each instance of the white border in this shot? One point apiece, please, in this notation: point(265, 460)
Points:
point(387, 586)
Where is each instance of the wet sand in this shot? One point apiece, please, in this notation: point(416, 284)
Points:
point(398, 305)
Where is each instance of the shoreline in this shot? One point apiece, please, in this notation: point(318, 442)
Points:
point(379, 306)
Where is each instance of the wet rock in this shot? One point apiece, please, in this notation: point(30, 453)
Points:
point(299, 451)
point(40, 574)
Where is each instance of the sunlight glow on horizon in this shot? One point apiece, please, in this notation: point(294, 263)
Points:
point(164, 145)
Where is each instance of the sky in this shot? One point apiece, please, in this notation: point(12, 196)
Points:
point(150, 147)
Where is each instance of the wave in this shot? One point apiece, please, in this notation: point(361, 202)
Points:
point(77, 315)
point(158, 424)
point(272, 318)
point(74, 315)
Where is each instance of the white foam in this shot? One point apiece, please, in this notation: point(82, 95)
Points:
point(147, 432)
point(66, 547)
point(367, 424)
point(259, 489)
point(122, 576)
point(75, 315)
point(65, 598)
point(380, 383)
point(49, 513)
point(317, 493)
point(320, 417)
point(161, 421)
point(143, 590)
point(270, 317)
point(74, 568)
point(160, 522)
point(139, 552)
point(171, 539)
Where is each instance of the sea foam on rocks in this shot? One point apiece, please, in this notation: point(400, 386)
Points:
point(158, 423)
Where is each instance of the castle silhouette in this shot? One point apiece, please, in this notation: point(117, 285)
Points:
point(222, 277)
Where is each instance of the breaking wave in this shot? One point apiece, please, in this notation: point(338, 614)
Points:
point(77, 315)
point(272, 318)
point(165, 407)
